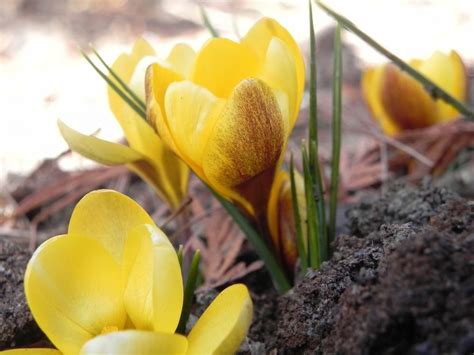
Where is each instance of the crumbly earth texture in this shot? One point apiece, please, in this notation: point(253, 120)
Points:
point(401, 283)
point(17, 326)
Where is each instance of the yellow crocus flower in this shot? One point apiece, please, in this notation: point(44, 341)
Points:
point(281, 221)
point(230, 117)
point(398, 102)
point(113, 284)
point(146, 153)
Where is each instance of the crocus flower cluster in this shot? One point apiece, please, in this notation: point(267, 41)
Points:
point(113, 285)
point(226, 111)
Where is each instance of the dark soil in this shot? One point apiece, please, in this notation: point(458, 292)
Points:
point(17, 326)
point(403, 283)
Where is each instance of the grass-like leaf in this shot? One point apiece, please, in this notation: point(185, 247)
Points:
point(336, 131)
point(434, 90)
point(297, 218)
point(207, 22)
point(312, 218)
point(320, 207)
point(313, 104)
point(120, 81)
point(180, 255)
point(189, 292)
point(123, 95)
point(279, 278)
point(314, 164)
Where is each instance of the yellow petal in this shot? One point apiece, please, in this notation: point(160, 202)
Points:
point(135, 342)
point(169, 180)
point(224, 324)
point(246, 142)
point(154, 290)
point(107, 216)
point(192, 112)
point(371, 87)
point(97, 149)
point(124, 66)
point(137, 81)
point(449, 73)
point(281, 220)
point(405, 100)
point(172, 176)
point(158, 78)
point(221, 64)
point(181, 59)
point(279, 72)
point(273, 207)
point(170, 183)
point(259, 38)
point(31, 351)
point(74, 289)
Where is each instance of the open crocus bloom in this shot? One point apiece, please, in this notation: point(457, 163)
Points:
point(229, 116)
point(113, 284)
point(281, 220)
point(398, 102)
point(146, 154)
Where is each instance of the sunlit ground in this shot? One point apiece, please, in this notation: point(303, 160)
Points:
point(43, 77)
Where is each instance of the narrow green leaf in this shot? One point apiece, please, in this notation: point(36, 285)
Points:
point(189, 292)
point(119, 92)
point(313, 112)
point(433, 89)
point(320, 207)
point(336, 131)
point(207, 22)
point(279, 278)
point(124, 85)
point(312, 217)
point(297, 217)
point(314, 163)
point(180, 255)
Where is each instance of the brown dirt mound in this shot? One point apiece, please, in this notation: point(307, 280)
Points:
point(403, 287)
point(17, 326)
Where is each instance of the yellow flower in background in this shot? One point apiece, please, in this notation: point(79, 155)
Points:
point(230, 114)
point(398, 102)
point(146, 153)
point(281, 220)
point(113, 284)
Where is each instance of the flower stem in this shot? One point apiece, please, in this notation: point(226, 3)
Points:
point(279, 277)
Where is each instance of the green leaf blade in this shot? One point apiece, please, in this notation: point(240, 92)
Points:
point(297, 218)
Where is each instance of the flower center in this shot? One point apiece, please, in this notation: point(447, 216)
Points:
point(109, 329)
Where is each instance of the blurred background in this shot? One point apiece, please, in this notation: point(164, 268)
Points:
point(43, 77)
